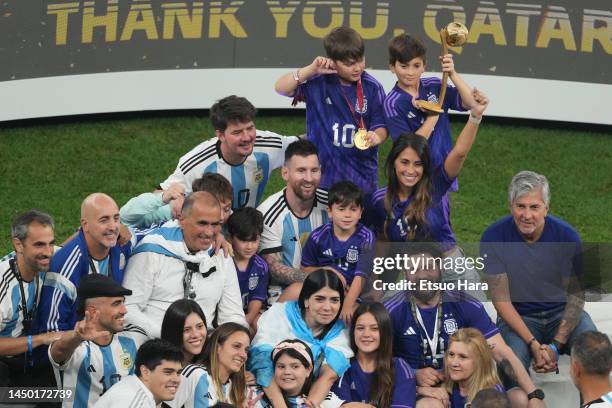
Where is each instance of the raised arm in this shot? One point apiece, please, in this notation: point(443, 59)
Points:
point(288, 83)
point(467, 97)
point(456, 157)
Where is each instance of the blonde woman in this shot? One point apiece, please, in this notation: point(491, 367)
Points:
point(468, 367)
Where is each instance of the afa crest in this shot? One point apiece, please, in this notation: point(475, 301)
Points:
point(258, 175)
point(253, 281)
point(363, 109)
point(450, 325)
point(125, 359)
point(352, 255)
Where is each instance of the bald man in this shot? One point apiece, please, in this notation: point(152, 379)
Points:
point(94, 249)
point(176, 261)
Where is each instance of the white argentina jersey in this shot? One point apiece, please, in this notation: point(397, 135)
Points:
point(11, 303)
point(197, 389)
point(248, 179)
point(93, 369)
point(284, 231)
point(130, 392)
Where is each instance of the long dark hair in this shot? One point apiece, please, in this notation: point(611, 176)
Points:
point(381, 389)
point(314, 282)
point(174, 321)
point(211, 363)
point(296, 354)
point(415, 213)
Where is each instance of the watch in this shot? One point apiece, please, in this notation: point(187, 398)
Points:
point(537, 393)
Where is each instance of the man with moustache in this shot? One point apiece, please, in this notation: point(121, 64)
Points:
point(533, 263)
point(101, 349)
point(423, 320)
point(177, 261)
point(93, 250)
point(292, 214)
point(20, 281)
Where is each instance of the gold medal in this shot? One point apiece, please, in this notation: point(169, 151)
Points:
point(360, 139)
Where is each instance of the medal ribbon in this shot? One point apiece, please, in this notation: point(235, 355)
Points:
point(356, 115)
point(437, 338)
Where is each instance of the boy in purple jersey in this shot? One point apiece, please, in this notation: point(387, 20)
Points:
point(339, 245)
point(341, 98)
point(245, 227)
point(402, 113)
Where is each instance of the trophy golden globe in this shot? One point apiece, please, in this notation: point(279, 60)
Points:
point(454, 35)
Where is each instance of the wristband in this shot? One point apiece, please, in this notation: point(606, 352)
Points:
point(29, 344)
point(554, 348)
point(531, 341)
point(296, 75)
point(474, 119)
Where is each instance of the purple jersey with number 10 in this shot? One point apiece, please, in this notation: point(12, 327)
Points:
point(331, 125)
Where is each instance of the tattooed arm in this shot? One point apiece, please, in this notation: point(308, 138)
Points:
point(280, 272)
point(573, 309)
point(509, 363)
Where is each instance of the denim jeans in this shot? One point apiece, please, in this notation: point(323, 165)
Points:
point(543, 326)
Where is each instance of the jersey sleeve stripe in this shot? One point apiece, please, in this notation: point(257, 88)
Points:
point(187, 169)
point(6, 279)
point(275, 211)
point(198, 155)
point(137, 400)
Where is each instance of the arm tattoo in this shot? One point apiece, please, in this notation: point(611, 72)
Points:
point(282, 273)
point(506, 368)
point(573, 309)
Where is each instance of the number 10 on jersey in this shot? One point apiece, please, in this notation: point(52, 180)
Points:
point(346, 138)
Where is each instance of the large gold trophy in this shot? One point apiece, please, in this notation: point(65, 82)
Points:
point(454, 35)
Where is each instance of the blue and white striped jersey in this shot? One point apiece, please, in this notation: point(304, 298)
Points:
point(197, 389)
point(284, 231)
point(248, 179)
point(93, 369)
point(11, 316)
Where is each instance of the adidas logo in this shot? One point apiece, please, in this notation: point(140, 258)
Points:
point(409, 332)
point(411, 115)
point(328, 252)
point(293, 239)
point(328, 101)
point(91, 369)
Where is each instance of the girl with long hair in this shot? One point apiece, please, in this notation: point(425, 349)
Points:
point(314, 320)
point(468, 367)
point(184, 325)
point(414, 205)
point(220, 375)
point(375, 376)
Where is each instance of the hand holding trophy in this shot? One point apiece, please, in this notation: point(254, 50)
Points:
point(453, 35)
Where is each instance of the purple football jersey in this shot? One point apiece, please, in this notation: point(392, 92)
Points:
point(331, 125)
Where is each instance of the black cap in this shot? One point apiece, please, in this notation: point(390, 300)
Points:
point(96, 285)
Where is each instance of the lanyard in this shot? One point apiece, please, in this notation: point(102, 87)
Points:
point(95, 271)
point(434, 341)
point(357, 118)
point(27, 315)
point(190, 269)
